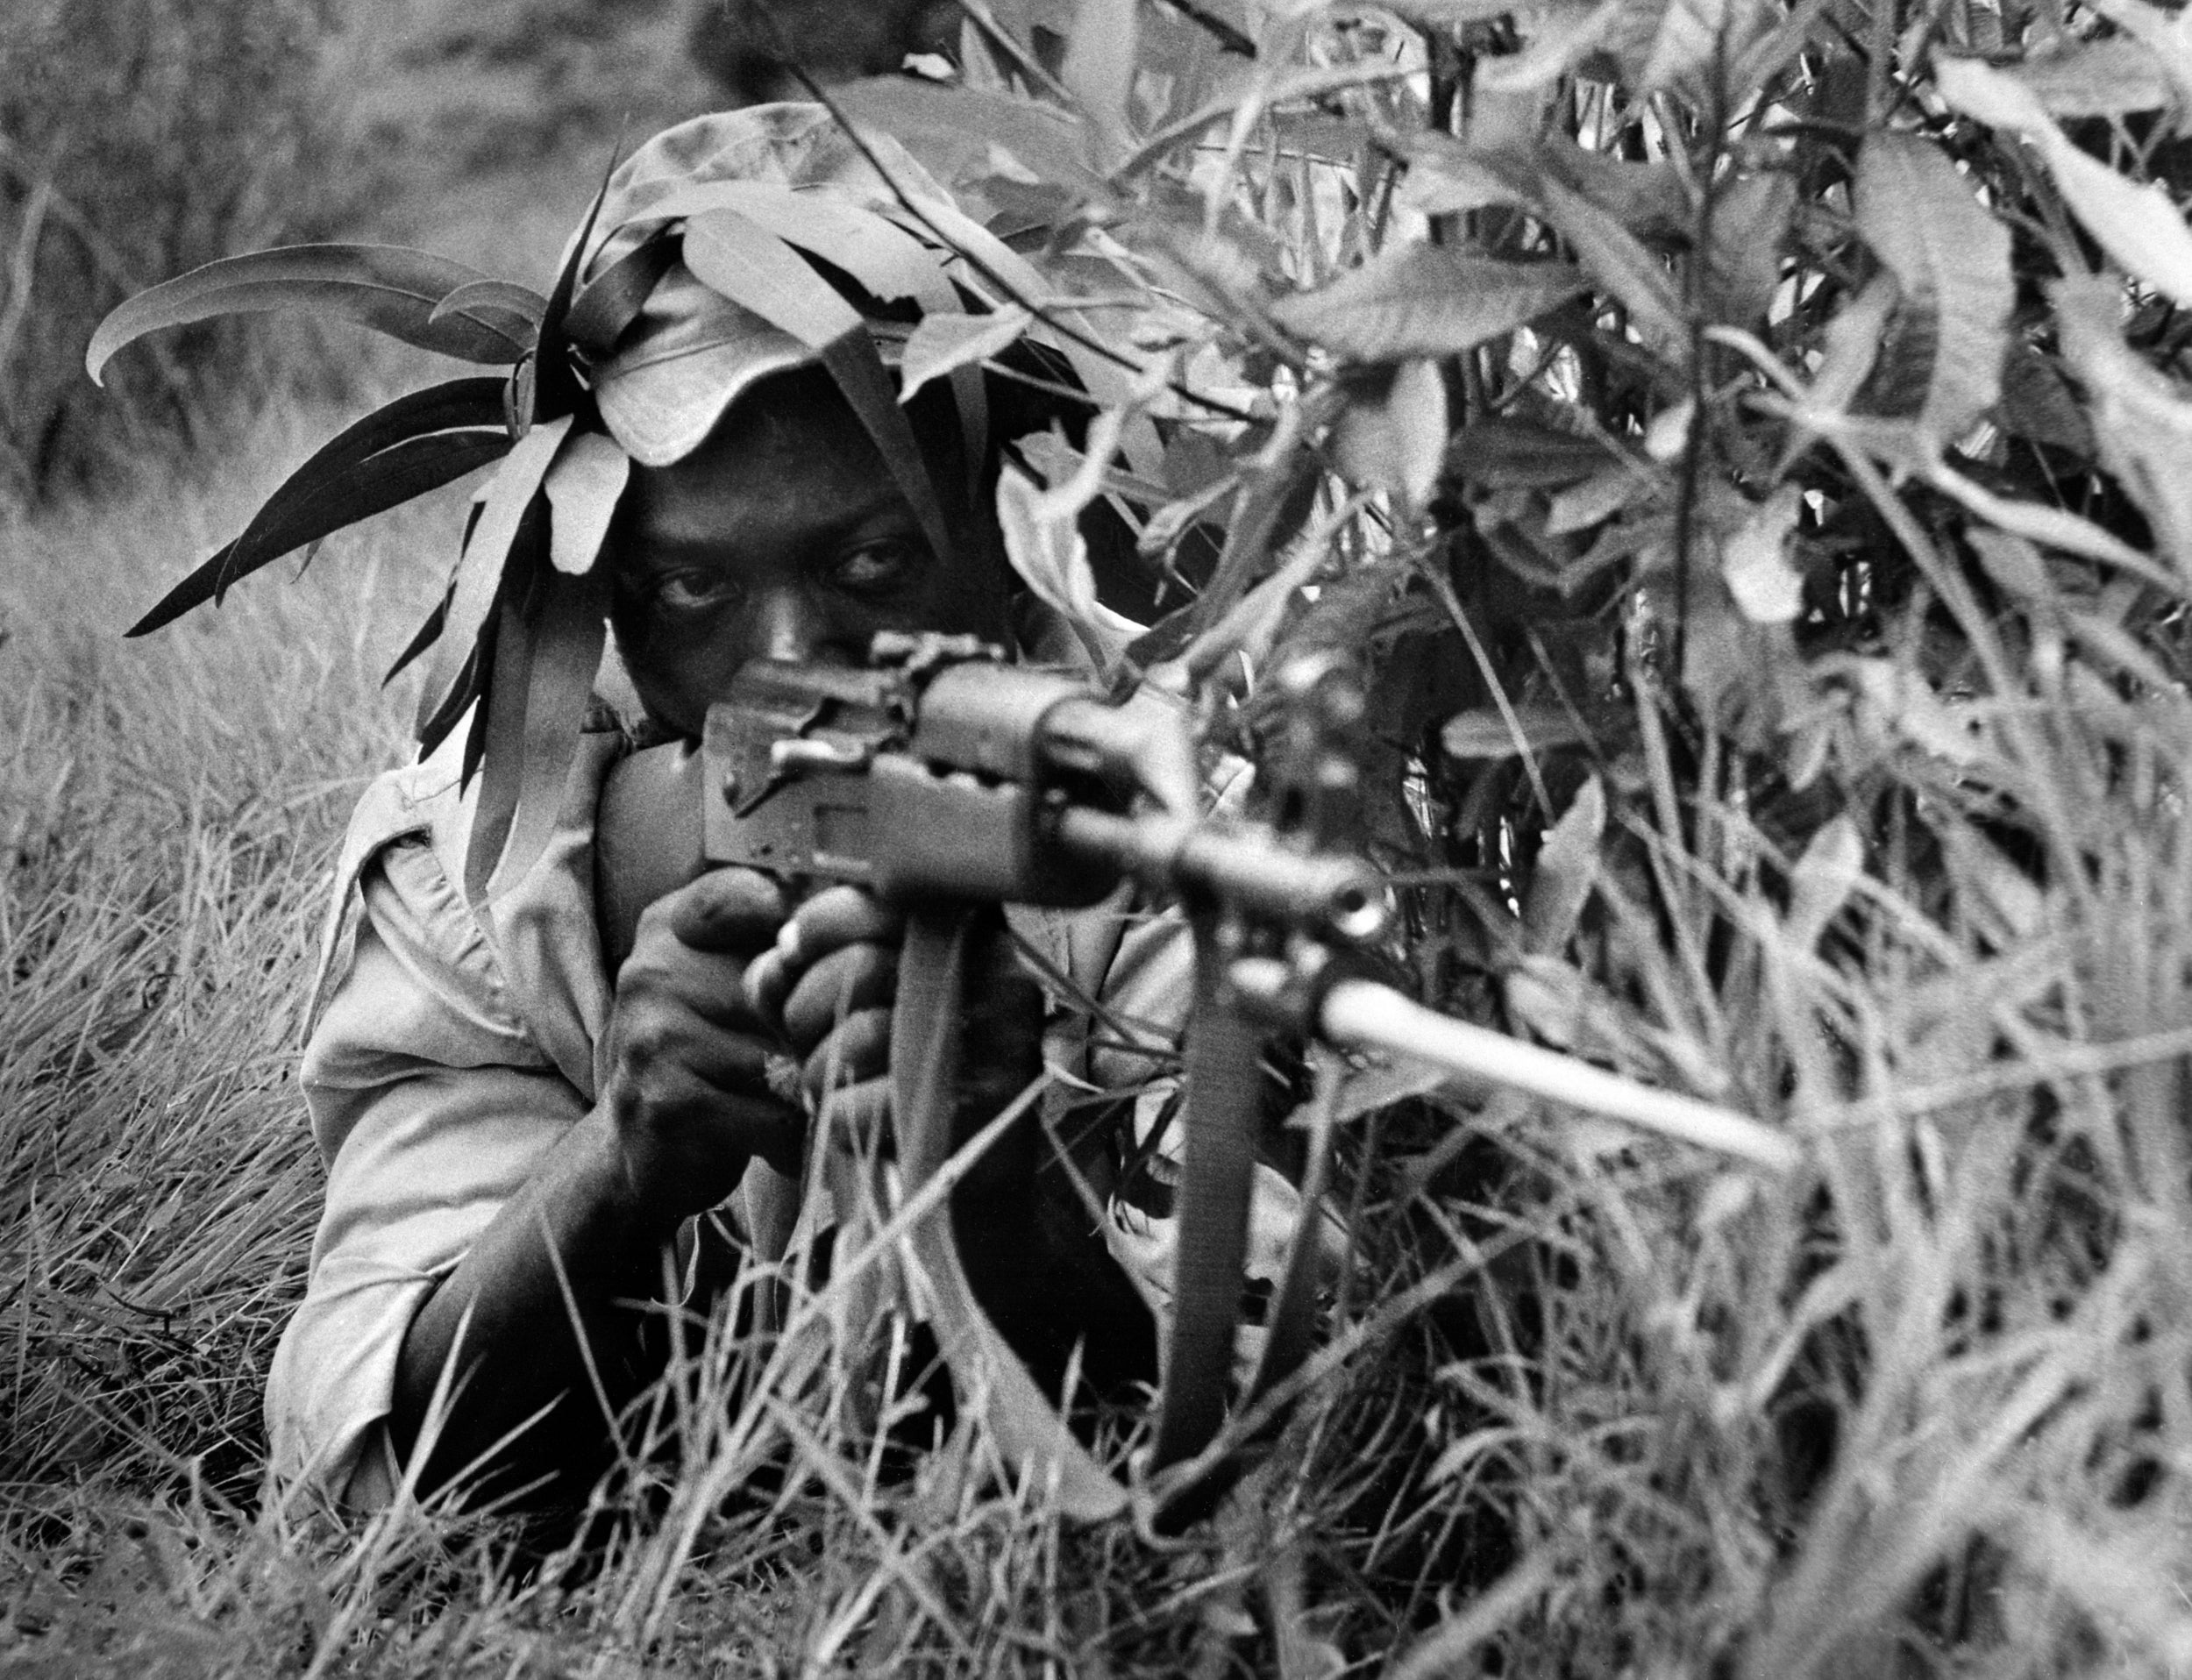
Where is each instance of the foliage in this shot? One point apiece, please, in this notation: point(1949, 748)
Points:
point(137, 139)
point(1716, 422)
point(1747, 443)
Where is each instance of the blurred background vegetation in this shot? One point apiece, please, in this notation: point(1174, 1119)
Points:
point(141, 138)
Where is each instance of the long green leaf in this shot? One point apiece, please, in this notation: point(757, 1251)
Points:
point(1391, 435)
point(755, 269)
point(493, 297)
point(436, 720)
point(1424, 299)
point(493, 653)
point(2141, 422)
point(883, 257)
point(460, 405)
point(2137, 225)
point(1664, 45)
point(333, 471)
point(1503, 453)
point(510, 497)
point(865, 385)
point(392, 288)
point(563, 652)
point(500, 753)
point(2104, 78)
point(424, 637)
point(1487, 732)
point(387, 479)
point(612, 300)
point(583, 487)
point(555, 388)
point(1952, 260)
point(1098, 70)
point(944, 342)
point(953, 129)
point(1619, 261)
point(420, 640)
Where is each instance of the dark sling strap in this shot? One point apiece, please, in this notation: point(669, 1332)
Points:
point(924, 1065)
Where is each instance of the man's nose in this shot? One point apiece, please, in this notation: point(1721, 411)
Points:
point(784, 624)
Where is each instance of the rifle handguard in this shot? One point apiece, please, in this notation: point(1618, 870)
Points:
point(1242, 867)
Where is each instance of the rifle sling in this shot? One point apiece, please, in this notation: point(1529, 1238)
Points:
point(987, 1373)
point(1223, 1099)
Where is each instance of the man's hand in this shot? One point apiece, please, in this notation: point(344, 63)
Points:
point(830, 980)
point(688, 1092)
point(828, 984)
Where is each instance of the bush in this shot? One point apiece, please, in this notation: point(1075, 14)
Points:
point(139, 138)
point(1747, 445)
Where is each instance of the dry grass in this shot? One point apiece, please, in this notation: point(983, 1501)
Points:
point(169, 809)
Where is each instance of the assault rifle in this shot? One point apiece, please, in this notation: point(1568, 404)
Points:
point(940, 776)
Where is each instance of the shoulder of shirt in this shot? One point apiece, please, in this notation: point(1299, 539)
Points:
point(430, 799)
point(424, 807)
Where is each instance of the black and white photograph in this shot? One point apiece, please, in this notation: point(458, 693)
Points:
point(1095, 837)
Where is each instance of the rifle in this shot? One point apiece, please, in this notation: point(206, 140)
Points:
point(940, 776)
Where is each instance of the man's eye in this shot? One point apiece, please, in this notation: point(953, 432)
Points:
point(687, 592)
point(874, 566)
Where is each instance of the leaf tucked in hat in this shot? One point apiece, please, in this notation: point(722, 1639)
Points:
point(391, 288)
point(416, 444)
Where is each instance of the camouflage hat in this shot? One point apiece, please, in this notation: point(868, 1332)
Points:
point(691, 351)
point(689, 355)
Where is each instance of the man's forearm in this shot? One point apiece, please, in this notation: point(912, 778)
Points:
point(556, 1282)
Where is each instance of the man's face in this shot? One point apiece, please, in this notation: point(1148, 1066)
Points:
point(784, 536)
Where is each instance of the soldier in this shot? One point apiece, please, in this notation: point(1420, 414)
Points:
point(521, 1118)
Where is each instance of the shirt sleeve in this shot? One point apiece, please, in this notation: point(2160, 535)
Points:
point(431, 1104)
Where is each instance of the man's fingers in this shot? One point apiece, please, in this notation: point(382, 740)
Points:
point(859, 1048)
point(836, 917)
point(731, 1062)
point(846, 981)
point(833, 919)
point(709, 984)
point(768, 982)
point(727, 910)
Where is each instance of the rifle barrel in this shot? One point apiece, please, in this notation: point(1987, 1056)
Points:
point(1368, 1016)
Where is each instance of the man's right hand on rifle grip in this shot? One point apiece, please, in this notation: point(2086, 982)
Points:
point(827, 986)
point(687, 1090)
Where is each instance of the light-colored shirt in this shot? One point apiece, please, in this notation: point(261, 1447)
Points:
point(452, 1048)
